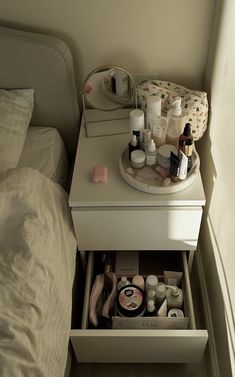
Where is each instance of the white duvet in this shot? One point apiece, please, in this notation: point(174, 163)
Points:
point(37, 262)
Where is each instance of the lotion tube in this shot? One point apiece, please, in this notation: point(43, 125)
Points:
point(183, 166)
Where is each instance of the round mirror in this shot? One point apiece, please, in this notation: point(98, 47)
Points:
point(108, 88)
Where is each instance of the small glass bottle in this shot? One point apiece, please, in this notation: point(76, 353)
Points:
point(186, 135)
point(133, 145)
point(151, 154)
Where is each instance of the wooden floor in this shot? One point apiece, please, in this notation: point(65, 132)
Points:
point(140, 370)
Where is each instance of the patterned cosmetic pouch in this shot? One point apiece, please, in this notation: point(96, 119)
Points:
point(194, 103)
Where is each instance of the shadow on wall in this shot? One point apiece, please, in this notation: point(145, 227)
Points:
point(207, 241)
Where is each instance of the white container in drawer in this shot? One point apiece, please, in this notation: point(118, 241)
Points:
point(164, 228)
point(143, 345)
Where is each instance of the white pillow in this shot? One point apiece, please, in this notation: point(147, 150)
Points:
point(16, 107)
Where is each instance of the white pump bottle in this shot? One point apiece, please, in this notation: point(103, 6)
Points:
point(176, 122)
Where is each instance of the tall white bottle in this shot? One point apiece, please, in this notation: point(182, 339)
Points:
point(155, 121)
point(153, 110)
point(176, 123)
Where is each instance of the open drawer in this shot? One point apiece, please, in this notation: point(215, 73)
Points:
point(143, 345)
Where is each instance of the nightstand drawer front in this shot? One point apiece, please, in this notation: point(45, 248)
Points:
point(144, 228)
point(139, 346)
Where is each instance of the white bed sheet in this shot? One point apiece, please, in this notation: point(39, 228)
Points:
point(44, 150)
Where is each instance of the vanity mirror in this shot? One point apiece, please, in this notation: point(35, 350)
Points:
point(108, 94)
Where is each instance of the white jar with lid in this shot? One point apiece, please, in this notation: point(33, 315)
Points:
point(137, 124)
point(137, 159)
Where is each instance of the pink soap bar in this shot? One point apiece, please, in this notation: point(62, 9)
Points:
point(100, 174)
point(163, 172)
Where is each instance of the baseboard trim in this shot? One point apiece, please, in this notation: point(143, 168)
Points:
point(208, 317)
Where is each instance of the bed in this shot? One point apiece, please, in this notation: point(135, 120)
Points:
point(39, 119)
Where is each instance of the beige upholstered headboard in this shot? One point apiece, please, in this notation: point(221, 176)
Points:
point(31, 60)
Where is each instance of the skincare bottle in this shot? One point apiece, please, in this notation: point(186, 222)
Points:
point(153, 109)
point(159, 128)
point(176, 121)
point(151, 154)
point(138, 280)
point(121, 83)
point(137, 124)
point(160, 293)
point(188, 151)
point(174, 296)
point(147, 135)
point(185, 135)
point(151, 295)
point(151, 309)
point(183, 166)
point(174, 167)
point(151, 282)
point(123, 282)
point(133, 145)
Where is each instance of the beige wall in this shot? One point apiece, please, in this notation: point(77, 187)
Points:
point(167, 36)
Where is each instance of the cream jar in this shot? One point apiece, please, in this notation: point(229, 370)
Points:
point(138, 159)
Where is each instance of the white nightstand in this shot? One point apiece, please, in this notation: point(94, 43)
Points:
point(115, 216)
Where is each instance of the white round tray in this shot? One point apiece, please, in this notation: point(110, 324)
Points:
point(146, 179)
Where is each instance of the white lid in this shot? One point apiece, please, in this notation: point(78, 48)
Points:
point(151, 146)
point(152, 280)
point(166, 149)
point(177, 109)
point(175, 291)
point(124, 278)
point(154, 105)
point(161, 287)
point(137, 119)
point(138, 156)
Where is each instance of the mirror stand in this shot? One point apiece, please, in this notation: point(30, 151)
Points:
point(106, 111)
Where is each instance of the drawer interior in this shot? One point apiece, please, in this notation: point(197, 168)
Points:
point(150, 262)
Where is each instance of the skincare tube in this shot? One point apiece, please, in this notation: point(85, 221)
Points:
point(183, 166)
